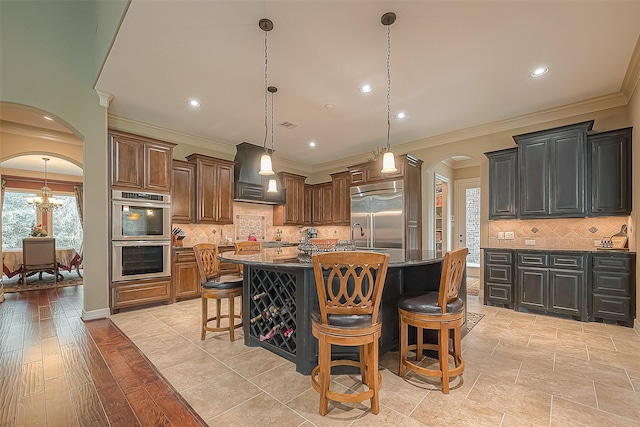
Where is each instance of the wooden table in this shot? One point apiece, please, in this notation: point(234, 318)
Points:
point(67, 259)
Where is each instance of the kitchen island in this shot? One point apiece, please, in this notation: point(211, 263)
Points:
point(280, 292)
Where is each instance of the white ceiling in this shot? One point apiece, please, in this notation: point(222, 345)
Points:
point(454, 65)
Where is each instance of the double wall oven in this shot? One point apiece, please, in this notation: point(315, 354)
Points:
point(140, 235)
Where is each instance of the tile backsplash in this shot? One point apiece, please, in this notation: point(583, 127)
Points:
point(215, 233)
point(560, 233)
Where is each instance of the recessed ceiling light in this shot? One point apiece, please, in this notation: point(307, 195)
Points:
point(329, 106)
point(541, 71)
point(366, 89)
point(312, 144)
point(48, 118)
point(401, 116)
point(194, 103)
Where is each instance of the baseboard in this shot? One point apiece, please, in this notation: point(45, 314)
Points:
point(95, 314)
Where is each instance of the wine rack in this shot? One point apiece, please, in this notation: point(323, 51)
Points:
point(272, 308)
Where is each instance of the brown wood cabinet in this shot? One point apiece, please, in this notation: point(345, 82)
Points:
point(308, 204)
point(214, 189)
point(140, 163)
point(139, 292)
point(292, 212)
point(183, 192)
point(341, 199)
point(370, 172)
point(326, 190)
point(185, 278)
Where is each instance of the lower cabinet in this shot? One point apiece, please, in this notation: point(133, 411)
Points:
point(139, 292)
point(584, 285)
point(185, 277)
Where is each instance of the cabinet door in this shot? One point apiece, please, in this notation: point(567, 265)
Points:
point(567, 292)
point(503, 180)
point(224, 194)
point(316, 204)
point(341, 184)
point(532, 288)
point(308, 205)
point(207, 189)
point(186, 280)
point(567, 175)
point(183, 192)
point(533, 165)
point(610, 172)
point(157, 160)
point(327, 201)
point(127, 160)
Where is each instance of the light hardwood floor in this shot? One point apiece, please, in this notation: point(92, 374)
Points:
point(521, 370)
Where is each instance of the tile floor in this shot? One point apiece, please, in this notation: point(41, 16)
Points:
point(521, 370)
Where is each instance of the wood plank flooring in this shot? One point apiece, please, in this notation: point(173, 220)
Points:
point(56, 370)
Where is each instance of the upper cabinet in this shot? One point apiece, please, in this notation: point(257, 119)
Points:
point(293, 211)
point(183, 192)
point(609, 165)
point(341, 199)
point(214, 189)
point(503, 180)
point(370, 172)
point(552, 170)
point(140, 163)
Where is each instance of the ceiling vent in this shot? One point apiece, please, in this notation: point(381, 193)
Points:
point(288, 125)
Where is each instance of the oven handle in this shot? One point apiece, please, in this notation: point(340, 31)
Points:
point(141, 243)
point(144, 204)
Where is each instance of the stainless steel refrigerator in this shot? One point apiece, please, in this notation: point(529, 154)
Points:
point(378, 209)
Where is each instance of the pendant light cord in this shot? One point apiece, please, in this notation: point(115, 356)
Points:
point(266, 127)
point(272, 122)
point(388, 86)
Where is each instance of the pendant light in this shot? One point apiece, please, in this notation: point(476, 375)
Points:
point(266, 167)
point(388, 161)
point(273, 187)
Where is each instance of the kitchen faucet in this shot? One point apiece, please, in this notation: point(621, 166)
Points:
point(357, 224)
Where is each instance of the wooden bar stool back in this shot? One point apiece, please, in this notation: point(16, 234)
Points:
point(217, 287)
point(441, 311)
point(349, 286)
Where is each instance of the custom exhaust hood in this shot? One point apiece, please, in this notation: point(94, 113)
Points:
point(249, 185)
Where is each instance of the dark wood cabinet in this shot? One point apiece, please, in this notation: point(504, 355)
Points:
point(370, 172)
point(498, 277)
point(183, 192)
point(308, 204)
point(326, 213)
point(610, 172)
point(214, 189)
point(552, 172)
point(292, 212)
point(140, 292)
point(316, 204)
point(503, 183)
point(140, 163)
point(341, 199)
point(613, 287)
point(185, 278)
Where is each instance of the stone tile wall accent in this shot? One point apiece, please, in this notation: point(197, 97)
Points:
point(565, 233)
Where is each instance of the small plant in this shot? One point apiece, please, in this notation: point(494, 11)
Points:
point(38, 231)
point(376, 154)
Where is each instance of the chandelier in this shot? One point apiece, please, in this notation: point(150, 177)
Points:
point(45, 202)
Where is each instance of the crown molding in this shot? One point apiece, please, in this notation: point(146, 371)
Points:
point(632, 76)
point(37, 132)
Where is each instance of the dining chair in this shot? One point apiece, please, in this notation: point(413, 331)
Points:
point(441, 311)
point(349, 286)
point(38, 256)
point(218, 288)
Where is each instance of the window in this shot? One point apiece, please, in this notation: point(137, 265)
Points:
point(66, 224)
point(17, 218)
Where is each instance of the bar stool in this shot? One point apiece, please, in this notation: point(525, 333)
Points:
point(441, 311)
point(349, 286)
point(217, 288)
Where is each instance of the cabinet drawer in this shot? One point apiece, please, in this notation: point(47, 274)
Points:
point(498, 274)
point(184, 256)
point(566, 261)
point(611, 283)
point(137, 293)
point(534, 260)
point(497, 257)
point(611, 307)
point(611, 263)
point(498, 292)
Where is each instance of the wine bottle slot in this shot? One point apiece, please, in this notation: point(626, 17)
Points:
point(255, 319)
point(256, 297)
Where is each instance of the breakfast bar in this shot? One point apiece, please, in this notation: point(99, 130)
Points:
point(280, 292)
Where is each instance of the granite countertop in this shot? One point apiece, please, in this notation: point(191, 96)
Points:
point(288, 257)
point(537, 249)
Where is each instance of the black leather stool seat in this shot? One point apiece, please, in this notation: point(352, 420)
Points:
point(345, 321)
point(427, 303)
point(230, 284)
